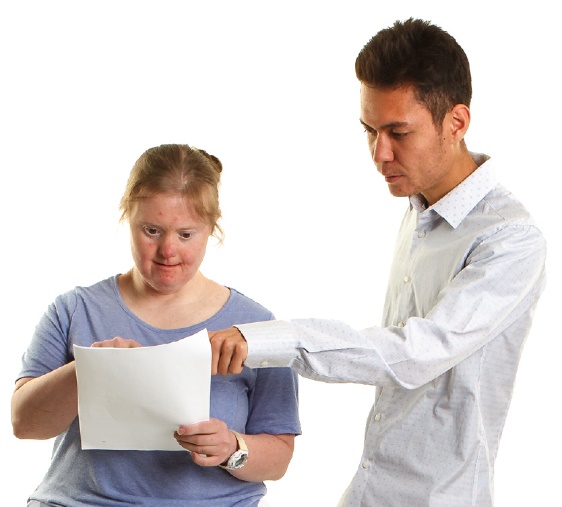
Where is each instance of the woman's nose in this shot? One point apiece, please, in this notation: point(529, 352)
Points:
point(167, 247)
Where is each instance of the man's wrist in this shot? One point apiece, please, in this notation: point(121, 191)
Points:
point(270, 343)
point(241, 333)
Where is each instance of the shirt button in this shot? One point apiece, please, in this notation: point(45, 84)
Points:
point(264, 363)
point(365, 463)
point(400, 324)
point(407, 279)
point(378, 417)
point(421, 234)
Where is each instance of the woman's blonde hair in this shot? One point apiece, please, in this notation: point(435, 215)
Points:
point(177, 169)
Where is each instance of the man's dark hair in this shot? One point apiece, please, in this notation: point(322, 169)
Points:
point(418, 53)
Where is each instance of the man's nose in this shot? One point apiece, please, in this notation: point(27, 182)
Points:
point(382, 150)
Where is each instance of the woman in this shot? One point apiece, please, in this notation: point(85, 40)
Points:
point(171, 204)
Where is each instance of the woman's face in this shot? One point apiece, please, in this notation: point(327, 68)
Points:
point(168, 242)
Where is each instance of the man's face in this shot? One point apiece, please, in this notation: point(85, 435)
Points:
point(407, 148)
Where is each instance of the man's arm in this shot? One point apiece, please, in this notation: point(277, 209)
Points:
point(419, 351)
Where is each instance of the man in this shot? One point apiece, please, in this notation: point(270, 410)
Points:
point(467, 273)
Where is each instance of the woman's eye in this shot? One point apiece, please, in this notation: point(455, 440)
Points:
point(186, 235)
point(150, 231)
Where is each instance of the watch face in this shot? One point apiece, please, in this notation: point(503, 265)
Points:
point(238, 459)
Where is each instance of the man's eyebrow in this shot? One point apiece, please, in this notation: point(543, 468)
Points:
point(390, 125)
point(368, 127)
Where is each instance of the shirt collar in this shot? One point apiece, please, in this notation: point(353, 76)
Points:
point(461, 200)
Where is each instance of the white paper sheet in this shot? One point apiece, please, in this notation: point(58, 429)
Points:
point(136, 398)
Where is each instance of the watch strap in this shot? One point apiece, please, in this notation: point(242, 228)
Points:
point(241, 443)
point(239, 457)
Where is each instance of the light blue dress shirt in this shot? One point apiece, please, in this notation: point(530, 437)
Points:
point(466, 277)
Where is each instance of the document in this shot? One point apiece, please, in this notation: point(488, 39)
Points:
point(134, 399)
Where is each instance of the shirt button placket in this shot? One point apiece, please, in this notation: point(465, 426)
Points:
point(366, 463)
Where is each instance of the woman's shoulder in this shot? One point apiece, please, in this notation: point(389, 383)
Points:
point(99, 291)
point(246, 308)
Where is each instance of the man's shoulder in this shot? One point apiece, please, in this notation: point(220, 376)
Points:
point(502, 204)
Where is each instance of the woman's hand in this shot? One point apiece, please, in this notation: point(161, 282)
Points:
point(118, 343)
point(211, 443)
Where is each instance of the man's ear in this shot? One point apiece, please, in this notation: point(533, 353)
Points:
point(458, 121)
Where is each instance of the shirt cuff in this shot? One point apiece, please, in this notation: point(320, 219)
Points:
point(270, 343)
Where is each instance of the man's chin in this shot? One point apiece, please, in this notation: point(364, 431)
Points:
point(398, 192)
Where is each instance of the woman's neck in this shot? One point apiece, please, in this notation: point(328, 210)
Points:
point(196, 302)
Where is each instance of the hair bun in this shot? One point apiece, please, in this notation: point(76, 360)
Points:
point(214, 160)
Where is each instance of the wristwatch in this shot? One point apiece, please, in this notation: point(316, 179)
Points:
point(240, 456)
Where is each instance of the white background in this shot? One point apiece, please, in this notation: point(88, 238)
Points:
point(268, 87)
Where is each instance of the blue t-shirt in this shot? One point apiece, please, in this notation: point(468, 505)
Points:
point(255, 401)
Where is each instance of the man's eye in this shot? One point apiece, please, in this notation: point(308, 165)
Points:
point(399, 135)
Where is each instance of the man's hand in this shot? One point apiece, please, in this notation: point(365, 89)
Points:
point(230, 350)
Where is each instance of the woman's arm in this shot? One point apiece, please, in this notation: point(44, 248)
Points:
point(45, 406)
point(268, 457)
point(211, 444)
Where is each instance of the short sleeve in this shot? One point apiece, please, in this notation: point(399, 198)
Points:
point(274, 403)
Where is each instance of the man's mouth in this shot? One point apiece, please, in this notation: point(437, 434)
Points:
point(392, 178)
